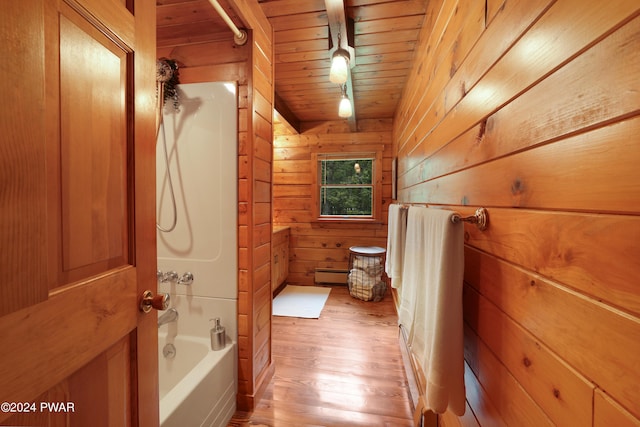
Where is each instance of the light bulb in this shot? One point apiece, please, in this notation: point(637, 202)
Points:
point(339, 67)
point(345, 110)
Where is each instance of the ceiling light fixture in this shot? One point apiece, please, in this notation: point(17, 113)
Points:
point(345, 110)
point(339, 65)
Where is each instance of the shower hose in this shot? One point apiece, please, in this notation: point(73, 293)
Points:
point(163, 75)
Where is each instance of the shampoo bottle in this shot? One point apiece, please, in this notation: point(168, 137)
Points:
point(217, 335)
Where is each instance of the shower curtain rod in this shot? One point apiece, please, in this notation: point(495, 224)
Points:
point(240, 36)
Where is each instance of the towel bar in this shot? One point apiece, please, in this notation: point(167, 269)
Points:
point(480, 219)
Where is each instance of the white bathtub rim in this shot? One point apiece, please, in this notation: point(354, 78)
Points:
point(181, 391)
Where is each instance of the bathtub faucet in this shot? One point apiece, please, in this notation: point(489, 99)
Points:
point(171, 315)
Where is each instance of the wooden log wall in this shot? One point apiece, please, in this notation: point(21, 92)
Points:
point(532, 109)
point(215, 57)
point(320, 245)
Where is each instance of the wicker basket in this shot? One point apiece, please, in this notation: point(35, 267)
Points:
point(366, 270)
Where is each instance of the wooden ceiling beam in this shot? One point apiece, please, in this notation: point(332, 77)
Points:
point(286, 114)
point(337, 17)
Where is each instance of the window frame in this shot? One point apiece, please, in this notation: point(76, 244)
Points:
point(372, 152)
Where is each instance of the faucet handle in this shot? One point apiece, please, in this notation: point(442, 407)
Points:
point(170, 276)
point(186, 279)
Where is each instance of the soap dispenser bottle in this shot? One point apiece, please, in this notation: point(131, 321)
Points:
point(217, 335)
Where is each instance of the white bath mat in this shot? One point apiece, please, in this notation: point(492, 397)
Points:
point(300, 301)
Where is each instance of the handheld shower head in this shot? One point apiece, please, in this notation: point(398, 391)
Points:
point(164, 71)
point(168, 78)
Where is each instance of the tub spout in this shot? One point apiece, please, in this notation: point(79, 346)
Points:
point(171, 315)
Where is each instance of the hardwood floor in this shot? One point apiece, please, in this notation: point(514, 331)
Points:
point(343, 369)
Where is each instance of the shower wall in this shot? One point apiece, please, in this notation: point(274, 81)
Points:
point(202, 147)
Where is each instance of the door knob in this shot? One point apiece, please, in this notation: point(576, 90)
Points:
point(149, 301)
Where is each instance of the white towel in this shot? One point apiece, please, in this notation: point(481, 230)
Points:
point(409, 266)
point(366, 287)
point(431, 304)
point(396, 234)
point(371, 265)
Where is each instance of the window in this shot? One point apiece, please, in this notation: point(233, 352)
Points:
point(347, 186)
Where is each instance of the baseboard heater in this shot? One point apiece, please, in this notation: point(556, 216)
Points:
point(331, 275)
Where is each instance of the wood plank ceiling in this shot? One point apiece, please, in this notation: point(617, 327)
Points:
point(183, 23)
point(384, 35)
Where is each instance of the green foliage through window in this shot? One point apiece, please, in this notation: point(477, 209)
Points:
point(346, 187)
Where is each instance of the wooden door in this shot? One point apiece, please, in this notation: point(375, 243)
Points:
point(77, 228)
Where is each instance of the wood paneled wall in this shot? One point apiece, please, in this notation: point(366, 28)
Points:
point(314, 244)
point(251, 65)
point(254, 297)
point(532, 109)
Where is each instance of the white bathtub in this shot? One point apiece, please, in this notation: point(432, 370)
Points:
point(197, 386)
